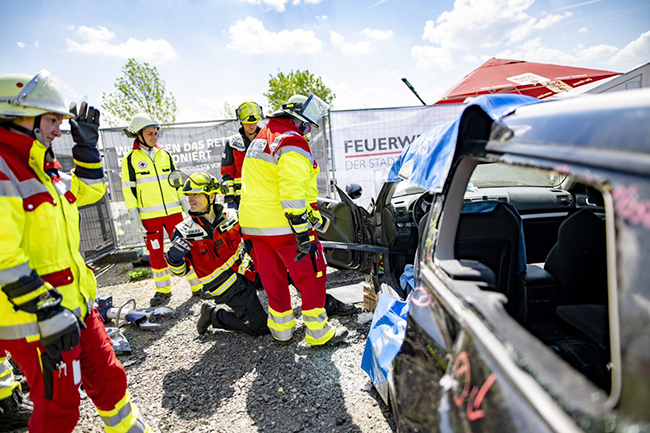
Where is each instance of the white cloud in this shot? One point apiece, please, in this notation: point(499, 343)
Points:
point(37, 44)
point(98, 41)
point(20, 44)
point(309, 2)
point(551, 19)
point(471, 58)
point(535, 51)
point(635, 52)
point(321, 17)
point(584, 30)
point(348, 48)
point(378, 35)
point(431, 57)
point(251, 37)
point(278, 5)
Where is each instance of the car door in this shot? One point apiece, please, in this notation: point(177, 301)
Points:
point(344, 233)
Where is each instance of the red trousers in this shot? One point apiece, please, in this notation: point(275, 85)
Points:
point(156, 237)
point(274, 256)
point(92, 362)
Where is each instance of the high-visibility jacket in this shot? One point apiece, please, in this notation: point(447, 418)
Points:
point(40, 228)
point(216, 254)
point(145, 185)
point(278, 177)
point(232, 161)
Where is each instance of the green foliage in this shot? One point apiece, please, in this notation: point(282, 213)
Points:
point(139, 274)
point(283, 86)
point(140, 89)
point(229, 110)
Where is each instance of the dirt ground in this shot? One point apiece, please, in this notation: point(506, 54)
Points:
point(231, 382)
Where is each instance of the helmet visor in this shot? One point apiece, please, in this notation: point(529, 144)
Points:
point(249, 112)
point(200, 183)
point(313, 109)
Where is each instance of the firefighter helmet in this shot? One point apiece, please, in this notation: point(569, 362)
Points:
point(140, 122)
point(201, 182)
point(26, 96)
point(249, 112)
point(304, 108)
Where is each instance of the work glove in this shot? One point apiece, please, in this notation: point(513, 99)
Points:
point(179, 249)
point(300, 227)
point(313, 219)
point(58, 327)
point(136, 224)
point(84, 127)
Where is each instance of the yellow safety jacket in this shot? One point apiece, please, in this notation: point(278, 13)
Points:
point(145, 185)
point(278, 177)
point(40, 229)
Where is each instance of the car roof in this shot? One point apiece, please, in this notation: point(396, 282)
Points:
point(614, 121)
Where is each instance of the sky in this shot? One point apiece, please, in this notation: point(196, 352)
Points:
point(210, 52)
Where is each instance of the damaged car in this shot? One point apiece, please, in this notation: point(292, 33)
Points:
point(528, 226)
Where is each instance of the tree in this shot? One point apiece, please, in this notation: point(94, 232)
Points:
point(140, 89)
point(283, 86)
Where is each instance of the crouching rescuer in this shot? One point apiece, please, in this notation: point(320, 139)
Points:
point(47, 319)
point(278, 214)
point(212, 244)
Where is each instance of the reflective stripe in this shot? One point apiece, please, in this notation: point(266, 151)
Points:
point(146, 179)
point(224, 286)
point(139, 426)
point(12, 274)
point(164, 286)
point(266, 157)
point(26, 188)
point(91, 181)
point(178, 270)
point(121, 414)
point(7, 189)
point(270, 231)
point(128, 184)
point(159, 207)
point(17, 332)
point(294, 204)
point(7, 380)
point(193, 279)
point(286, 149)
point(318, 329)
point(90, 165)
point(281, 325)
point(276, 141)
point(220, 270)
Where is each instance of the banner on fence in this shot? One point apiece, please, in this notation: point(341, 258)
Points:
point(365, 143)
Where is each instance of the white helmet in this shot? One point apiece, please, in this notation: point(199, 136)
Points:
point(25, 96)
point(306, 109)
point(140, 122)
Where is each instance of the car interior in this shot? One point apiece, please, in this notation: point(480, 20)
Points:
point(543, 247)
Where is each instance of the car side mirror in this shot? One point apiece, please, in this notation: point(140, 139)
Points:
point(353, 190)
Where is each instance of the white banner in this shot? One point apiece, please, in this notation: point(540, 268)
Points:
point(365, 143)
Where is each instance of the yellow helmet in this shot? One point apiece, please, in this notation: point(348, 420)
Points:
point(249, 112)
point(25, 96)
point(201, 182)
point(140, 122)
point(305, 108)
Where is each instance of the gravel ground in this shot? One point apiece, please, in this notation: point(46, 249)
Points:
point(231, 382)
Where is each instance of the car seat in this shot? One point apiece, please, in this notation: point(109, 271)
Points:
point(491, 232)
point(578, 260)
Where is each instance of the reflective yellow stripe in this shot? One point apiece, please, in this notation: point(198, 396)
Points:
point(32, 295)
point(220, 270)
point(88, 164)
point(124, 418)
point(225, 285)
point(318, 330)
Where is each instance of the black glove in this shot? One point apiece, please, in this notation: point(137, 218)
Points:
point(300, 228)
point(59, 329)
point(85, 125)
point(179, 249)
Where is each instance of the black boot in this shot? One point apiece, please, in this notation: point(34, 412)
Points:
point(335, 307)
point(205, 319)
point(160, 299)
point(15, 411)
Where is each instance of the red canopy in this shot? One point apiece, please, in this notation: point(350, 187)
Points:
point(540, 80)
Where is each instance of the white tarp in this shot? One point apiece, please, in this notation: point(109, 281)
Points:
point(365, 143)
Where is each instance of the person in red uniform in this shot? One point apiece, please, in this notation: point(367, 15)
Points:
point(279, 213)
point(212, 244)
point(232, 159)
point(47, 319)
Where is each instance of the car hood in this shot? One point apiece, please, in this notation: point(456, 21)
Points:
point(426, 161)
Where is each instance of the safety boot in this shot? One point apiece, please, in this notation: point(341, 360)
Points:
point(159, 299)
point(205, 319)
point(15, 411)
point(339, 336)
point(335, 307)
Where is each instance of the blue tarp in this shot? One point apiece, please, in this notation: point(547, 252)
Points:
point(384, 340)
point(427, 160)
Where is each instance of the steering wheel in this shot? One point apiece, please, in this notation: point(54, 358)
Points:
point(422, 206)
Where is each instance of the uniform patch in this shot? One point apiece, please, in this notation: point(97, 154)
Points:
point(142, 164)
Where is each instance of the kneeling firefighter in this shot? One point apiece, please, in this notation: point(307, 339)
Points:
point(212, 244)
